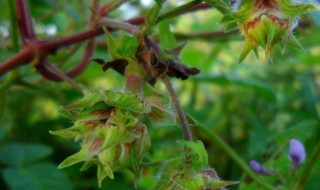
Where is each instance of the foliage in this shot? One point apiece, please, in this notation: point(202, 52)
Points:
point(125, 121)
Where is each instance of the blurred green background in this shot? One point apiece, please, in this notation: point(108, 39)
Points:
point(255, 106)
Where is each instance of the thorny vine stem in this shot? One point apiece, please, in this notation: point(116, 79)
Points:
point(79, 68)
point(46, 47)
point(63, 76)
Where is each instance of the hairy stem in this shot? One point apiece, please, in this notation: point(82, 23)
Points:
point(49, 46)
point(134, 84)
point(185, 126)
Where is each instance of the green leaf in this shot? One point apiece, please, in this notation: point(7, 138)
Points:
point(16, 154)
point(104, 171)
point(97, 112)
point(153, 13)
point(80, 156)
point(87, 101)
point(37, 177)
point(78, 129)
point(295, 43)
point(114, 135)
point(230, 27)
point(229, 18)
point(67, 133)
point(128, 101)
point(293, 9)
point(198, 153)
point(127, 47)
point(86, 165)
point(301, 130)
point(166, 171)
point(221, 5)
point(2, 134)
point(248, 46)
point(113, 44)
point(264, 89)
point(191, 182)
point(252, 186)
point(161, 106)
point(258, 137)
point(167, 39)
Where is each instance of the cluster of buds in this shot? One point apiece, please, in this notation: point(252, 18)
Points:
point(109, 128)
point(296, 155)
point(191, 179)
point(265, 23)
point(109, 125)
point(191, 172)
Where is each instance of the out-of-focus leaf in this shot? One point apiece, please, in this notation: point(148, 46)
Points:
point(87, 101)
point(258, 139)
point(103, 172)
point(300, 131)
point(37, 177)
point(167, 39)
point(153, 13)
point(80, 156)
point(16, 154)
point(2, 134)
point(127, 46)
point(113, 44)
point(221, 5)
point(251, 186)
point(316, 17)
point(262, 88)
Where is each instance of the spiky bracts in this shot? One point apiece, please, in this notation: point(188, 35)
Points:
point(265, 23)
point(109, 128)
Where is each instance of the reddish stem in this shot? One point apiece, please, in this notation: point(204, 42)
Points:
point(78, 69)
point(43, 48)
point(21, 58)
point(24, 21)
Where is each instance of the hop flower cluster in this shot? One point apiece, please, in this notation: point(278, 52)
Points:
point(203, 179)
point(109, 128)
point(265, 23)
point(192, 172)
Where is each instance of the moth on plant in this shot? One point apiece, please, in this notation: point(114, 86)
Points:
point(265, 23)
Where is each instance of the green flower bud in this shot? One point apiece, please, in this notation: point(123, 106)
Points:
point(109, 129)
point(265, 23)
point(190, 171)
point(189, 179)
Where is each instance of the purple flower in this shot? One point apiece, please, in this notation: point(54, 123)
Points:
point(257, 167)
point(297, 153)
